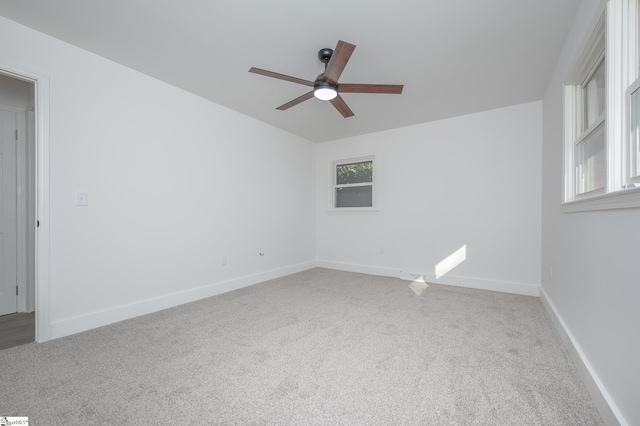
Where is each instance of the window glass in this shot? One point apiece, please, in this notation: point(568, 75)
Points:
point(354, 173)
point(590, 161)
point(354, 196)
point(594, 96)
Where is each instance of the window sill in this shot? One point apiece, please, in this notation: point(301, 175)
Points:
point(624, 199)
point(353, 211)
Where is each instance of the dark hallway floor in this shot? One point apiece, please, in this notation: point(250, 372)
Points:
point(17, 329)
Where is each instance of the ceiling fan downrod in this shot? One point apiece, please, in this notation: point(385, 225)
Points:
point(325, 55)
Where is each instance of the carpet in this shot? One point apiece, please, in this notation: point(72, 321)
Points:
point(320, 347)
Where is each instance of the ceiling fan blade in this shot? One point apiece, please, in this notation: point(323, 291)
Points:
point(341, 106)
point(281, 76)
point(389, 89)
point(296, 101)
point(338, 61)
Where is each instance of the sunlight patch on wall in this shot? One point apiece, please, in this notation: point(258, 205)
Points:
point(451, 261)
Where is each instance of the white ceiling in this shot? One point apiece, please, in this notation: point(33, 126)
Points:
point(454, 57)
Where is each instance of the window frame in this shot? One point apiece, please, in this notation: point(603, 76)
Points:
point(631, 160)
point(615, 32)
point(334, 185)
point(583, 130)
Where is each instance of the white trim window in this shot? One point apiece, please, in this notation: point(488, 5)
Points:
point(352, 183)
point(600, 152)
point(589, 145)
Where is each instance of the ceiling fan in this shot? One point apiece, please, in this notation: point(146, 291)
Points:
point(326, 87)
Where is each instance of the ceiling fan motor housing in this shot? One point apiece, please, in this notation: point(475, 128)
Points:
point(320, 79)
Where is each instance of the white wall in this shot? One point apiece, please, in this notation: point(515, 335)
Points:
point(595, 284)
point(472, 180)
point(175, 182)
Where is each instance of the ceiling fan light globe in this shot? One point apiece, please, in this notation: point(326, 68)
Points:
point(325, 93)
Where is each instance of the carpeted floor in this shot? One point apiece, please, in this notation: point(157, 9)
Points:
point(320, 347)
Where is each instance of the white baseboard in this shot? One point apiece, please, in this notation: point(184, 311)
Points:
point(609, 412)
point(484, 284)
point(478, 283)
point(97, 319)
point(361, 269)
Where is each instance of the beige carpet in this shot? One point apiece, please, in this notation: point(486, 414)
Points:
point(320, 347)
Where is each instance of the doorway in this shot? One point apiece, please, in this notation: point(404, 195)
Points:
point(17, 210)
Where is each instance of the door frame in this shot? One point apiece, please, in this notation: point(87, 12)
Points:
point(41, 94)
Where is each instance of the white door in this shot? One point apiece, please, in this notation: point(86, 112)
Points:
point(7, 212)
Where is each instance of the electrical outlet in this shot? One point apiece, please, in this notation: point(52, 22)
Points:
point(82, 198)
point(223, 261)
